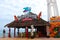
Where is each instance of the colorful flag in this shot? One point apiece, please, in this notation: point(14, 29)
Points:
point(39, 15)
point(27, 9)
point(16, 19)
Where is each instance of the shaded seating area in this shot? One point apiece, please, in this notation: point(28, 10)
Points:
point(40, 25)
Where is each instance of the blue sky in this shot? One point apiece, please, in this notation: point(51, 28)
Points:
point(9, 8)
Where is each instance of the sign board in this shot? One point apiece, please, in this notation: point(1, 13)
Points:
point(26, 19)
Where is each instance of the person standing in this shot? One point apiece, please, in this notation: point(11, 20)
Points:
point(3, 32)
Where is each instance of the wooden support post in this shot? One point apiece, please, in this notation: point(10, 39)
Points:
point(26, 30)
point(9, 35)
point(47, 30)
point(14, 32)
point(18, 32)
point(37, 32)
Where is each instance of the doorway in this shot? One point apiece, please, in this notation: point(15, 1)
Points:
point(41, 31)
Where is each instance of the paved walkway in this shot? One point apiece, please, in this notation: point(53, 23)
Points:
point(29, 39)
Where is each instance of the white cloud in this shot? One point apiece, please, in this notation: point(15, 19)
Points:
point(9, 8)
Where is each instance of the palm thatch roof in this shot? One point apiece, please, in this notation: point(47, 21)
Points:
point(23, 24)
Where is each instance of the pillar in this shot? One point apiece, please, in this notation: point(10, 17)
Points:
point(47, 30)
point(26, 30)
point(9, 35)
point(18, 32)
point(39, 34)
point(14, 32)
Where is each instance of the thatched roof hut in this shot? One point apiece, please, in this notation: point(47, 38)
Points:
point(23, 24)
point(27, 20)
